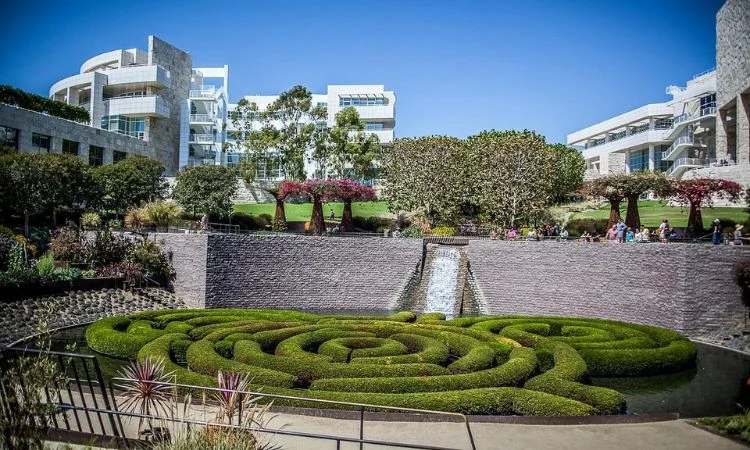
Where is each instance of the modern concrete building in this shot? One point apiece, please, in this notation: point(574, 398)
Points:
point(673, 136)
point(733, 91)
point(206, 116)
point(375, 105)
point(134, 93)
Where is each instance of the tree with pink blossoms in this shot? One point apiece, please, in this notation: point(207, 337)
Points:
point(285, 189)
point(349, 191)
point(700, 192)
point(320, 191)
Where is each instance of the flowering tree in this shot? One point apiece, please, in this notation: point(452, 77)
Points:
point(611, 188)
point(349, 191)
point(280, 193)
point(633, 185)
point(320, 191)
point(702, 191)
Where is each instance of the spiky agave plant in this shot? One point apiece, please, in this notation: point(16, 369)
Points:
point(145, 393)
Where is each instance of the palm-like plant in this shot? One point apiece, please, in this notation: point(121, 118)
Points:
point(145, 392)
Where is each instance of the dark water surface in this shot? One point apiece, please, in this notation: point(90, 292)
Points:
point(716, 386)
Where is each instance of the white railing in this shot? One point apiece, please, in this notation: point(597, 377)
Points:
point(711, 110)
point(679, 142)
point(202, 138)
point(203, 92)
point(687, 163)
point(705, 72)
point(201, 118)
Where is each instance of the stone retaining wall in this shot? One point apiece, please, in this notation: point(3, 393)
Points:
point(685, 287)
point(19, 319)
point(308, 272)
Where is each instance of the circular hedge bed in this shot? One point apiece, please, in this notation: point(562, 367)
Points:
point(473, 365)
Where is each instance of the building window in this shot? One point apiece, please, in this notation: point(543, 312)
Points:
point(373, 126)
point(659, 165)
point(362, 101)
point(663, 124)
point(9, 137)
point(322, 105)
point(118, 156)
point(96, 155)
point(41, 143)
point(638, 160)
point(130, 126)
point(70, 147)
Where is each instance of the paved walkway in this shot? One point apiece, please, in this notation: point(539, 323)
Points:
point(676, 434)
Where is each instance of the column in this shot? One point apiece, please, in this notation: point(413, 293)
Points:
point(83, 150)
point(743, 129)
point(651, 123)
point(55, 144)
point(627, 161)
point(651, 161)
point(721, 135)
point(107, 157)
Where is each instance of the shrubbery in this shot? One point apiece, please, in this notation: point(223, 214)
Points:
point(479, 365)
point(576, 227)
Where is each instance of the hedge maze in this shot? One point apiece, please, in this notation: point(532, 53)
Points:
point(473, 365)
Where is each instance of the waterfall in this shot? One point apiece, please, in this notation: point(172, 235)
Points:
point(442, 284)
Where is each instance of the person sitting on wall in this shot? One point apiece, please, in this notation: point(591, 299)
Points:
point(585, 236)
point(646, 234)
point(629, 236)
point(511, 235)
point(596, 237)
point(493, 235)
point(564, 234)
point(638, 236)
point(672, 235)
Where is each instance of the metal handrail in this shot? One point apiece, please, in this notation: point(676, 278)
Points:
point(201, 117)
point(692, 162)
point(361, 406)
point(682, 140)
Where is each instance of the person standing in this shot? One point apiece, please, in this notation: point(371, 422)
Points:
point(738, 234)
point(664, 231)
point(621, 231)
point(716, 236)
point(612, 234)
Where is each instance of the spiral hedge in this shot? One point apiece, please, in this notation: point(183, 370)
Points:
point(476, 365)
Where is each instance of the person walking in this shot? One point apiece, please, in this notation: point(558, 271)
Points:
point(716, 236)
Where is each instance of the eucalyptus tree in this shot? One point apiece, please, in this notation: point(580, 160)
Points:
point(348, 149)
point(512, 174)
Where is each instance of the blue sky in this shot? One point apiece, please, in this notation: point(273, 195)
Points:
point(457, 67)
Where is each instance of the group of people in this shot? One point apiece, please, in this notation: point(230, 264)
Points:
point(546, 232)
point(621, 233)
point(721, 163)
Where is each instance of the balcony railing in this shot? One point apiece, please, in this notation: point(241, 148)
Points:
point(201, 118)
point(708, 111)
point(683, 164)
point(202, 138)
point(679, 142)
point(203, 92)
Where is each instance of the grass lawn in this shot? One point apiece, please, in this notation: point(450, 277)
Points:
point(653, 212)
point(301, 212)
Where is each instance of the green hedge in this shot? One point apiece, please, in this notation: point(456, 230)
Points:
point(477, 365)
point(16, 97)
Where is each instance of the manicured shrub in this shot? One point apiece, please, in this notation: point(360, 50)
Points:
point(480, 365)
point(576, 227)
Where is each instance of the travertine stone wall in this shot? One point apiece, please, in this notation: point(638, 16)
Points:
point(685, 287)
point(732, 50)
point(29, 122)
point(306, 272)
point(164, 134)
point(188, 253)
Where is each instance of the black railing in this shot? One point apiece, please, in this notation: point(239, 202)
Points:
point(87, 407)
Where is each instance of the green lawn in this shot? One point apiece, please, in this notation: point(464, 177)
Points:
point(653, 212)
point(301, 212)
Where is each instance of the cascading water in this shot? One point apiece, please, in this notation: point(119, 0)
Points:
point(442, 285)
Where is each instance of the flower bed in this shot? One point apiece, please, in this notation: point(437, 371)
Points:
point(478, 365)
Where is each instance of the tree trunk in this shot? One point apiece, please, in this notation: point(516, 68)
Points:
point(346, 216)
point(695, 221)
point(26, 223)
point(614, 212)
point(632, 217)
point(280, 216)
point(317, 224)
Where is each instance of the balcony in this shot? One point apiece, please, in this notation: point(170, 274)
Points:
point(203, 93)
point(680, 122)
point(202, 139)
point(678, 146)
point(149, 75)
point(682, 165)
point(150, 105)
point(202, 118)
